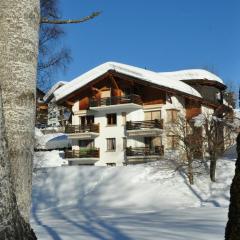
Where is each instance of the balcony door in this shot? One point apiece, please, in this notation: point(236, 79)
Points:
point(152, 142)
point(86, 143)
point(86, 120)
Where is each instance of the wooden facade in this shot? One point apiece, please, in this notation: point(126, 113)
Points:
point(193, 108)
point(111, 86)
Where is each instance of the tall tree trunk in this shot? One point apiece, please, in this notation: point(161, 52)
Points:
point(233, 226)
point(19, 23)
point(12, 224)
point(190, 172)
point(213, 165)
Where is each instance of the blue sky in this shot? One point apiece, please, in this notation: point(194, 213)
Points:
point(160, 35)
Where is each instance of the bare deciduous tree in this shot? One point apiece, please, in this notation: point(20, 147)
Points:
point(53, 55)
point(218, 129)
point(189, 142)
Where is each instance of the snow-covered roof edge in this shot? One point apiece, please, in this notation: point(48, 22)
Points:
point(192, 74)
point(142, 74)
point(49, 95)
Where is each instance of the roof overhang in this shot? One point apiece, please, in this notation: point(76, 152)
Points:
point(146, 77)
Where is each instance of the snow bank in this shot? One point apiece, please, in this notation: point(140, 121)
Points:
point(148, 201)
point(48, 159)
point(143, 186)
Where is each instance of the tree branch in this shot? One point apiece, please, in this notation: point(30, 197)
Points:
point(53, 21)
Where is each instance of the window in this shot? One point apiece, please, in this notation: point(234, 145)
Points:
point(112, 119)
point(172, 115)
point(111, 144)
point(173, 141)
point(124, 118)
point(87, 119)
point(152, 115)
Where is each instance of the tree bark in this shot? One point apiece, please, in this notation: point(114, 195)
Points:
point(213, 165)
point(19, 23)
point(233, 226)
point(12, 225)
point(190, 172)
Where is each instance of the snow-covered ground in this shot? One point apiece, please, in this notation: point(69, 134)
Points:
point(48, 159)
point(54, 158)
point(148, 201)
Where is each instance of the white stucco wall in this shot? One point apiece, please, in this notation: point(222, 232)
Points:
point(118, 131)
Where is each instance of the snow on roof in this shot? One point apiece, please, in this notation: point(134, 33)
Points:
point(49, 94)
point(142, 74)
point(192, 74)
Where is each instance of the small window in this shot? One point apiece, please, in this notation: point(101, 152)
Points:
point(111, 144)
point(112, 119)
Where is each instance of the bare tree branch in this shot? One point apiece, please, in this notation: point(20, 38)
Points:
point(56, 21)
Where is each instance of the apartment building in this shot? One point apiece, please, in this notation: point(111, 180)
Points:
point(120, 112)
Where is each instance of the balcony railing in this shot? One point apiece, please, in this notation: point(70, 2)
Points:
point(141, 125)
point(116, 100)
point(145, 151)
point(82, 153)
point(82, 128)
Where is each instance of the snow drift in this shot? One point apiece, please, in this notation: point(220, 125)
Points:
point(149, 186)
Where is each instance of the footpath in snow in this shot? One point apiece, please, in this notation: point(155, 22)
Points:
point(148, 201)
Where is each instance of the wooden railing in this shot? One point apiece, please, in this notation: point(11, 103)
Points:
point(82, 153)
point(82, 128)
point(145, 151)
point(138, 125)
point(116, 100)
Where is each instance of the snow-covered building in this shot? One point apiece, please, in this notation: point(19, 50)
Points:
point(58, 115)
point(120, 112)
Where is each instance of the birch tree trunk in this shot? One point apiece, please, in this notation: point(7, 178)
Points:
point(19, 23)
point(12, 224)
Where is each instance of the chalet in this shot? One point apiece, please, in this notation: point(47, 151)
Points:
point(120, 112)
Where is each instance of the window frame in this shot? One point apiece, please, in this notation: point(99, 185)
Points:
point(111, 144)
point(113, 119)
point(151, 114)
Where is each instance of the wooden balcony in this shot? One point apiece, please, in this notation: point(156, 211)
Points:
point(144, 154)
point(82, 153)
point(144, 128)
point(145, 151)
point(149, 124)
point(129, 101)
point(88, 131)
